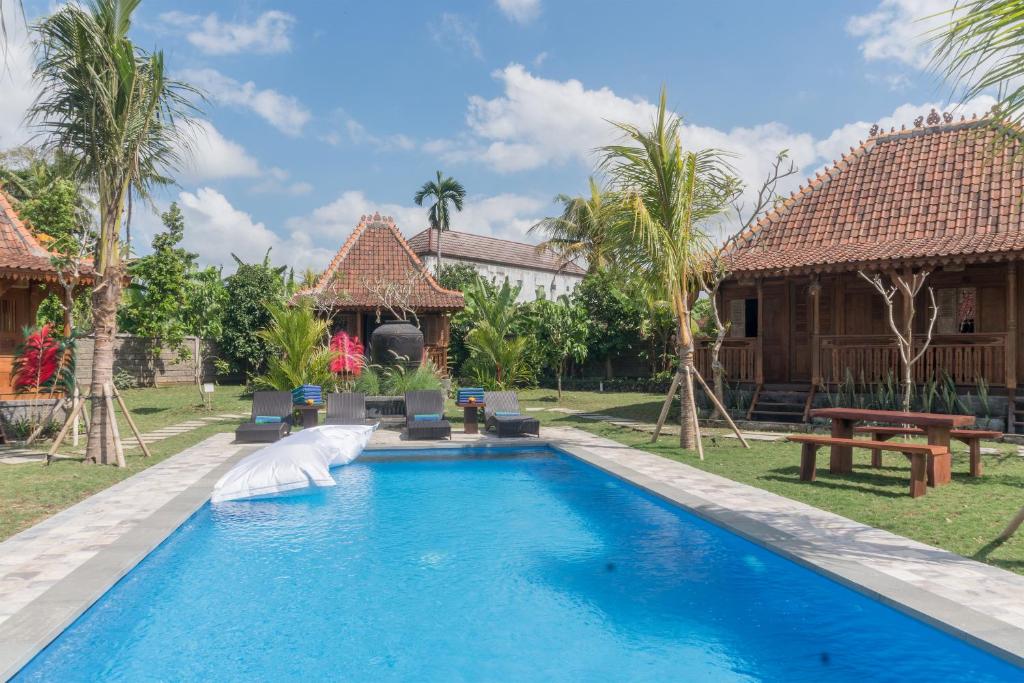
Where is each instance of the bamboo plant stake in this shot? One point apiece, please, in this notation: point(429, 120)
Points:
point(114, 430)
point(131, 422)
point(721, 409)
point(696, 417)
point(79, 402)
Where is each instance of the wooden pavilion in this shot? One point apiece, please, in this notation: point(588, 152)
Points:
point(945, 197)
point(374, 277)
point(27, 276)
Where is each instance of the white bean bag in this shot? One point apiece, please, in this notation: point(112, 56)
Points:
point(298, 461)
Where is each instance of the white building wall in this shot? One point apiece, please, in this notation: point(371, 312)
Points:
point(554, 284)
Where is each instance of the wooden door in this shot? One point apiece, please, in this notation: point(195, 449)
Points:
point(775, 334)
point(800, 334)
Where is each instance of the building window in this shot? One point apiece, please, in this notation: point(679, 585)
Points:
point(7, 317)
point(743, 318)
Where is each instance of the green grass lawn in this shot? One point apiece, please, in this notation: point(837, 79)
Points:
point(963, 517)
point(31, 492)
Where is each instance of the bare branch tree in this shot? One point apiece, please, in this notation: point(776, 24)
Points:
point(767, 197)
point(70, 255)
point(909, 288)
point(395, 295)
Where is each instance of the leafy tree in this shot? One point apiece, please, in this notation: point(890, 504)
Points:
point(498, 357)
point(110, 106)
point(250, 291)
point(615, 316)
point(459, 277)
point(665, 195)
point(444, 190)
point(562, 334)
point(155, 302)
point(299, 341)
point(581, 231)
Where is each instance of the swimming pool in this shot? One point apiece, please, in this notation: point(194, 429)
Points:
point(522, 564)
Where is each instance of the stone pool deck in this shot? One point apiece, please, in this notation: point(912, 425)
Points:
point(52, 572)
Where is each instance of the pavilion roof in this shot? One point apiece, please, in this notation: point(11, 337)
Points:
point(486, 249)
point(941, 192)
point(21, 255)
point(374, 256)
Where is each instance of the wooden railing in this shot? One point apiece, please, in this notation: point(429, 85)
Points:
point(965, 357)
point(738, 357)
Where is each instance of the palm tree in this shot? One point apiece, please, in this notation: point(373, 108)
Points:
point(109, 106)
point(981, 47)
point(664, 195)
point(581, 232)
point(443, 189)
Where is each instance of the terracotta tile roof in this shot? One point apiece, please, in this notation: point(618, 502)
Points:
point(21, 254)
point(373, 253)
point(938, 192)
point(465, 245)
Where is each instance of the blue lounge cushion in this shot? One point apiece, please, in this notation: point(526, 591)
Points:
point(506, 413)
point(267, 419)
point(426, 417)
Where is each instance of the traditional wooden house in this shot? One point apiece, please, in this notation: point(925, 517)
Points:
point(375, 277)
point(27, 276)
point(944, 197)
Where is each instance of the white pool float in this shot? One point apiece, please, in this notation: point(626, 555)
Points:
point(299, 461)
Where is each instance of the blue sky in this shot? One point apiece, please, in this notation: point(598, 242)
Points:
point(320, 112)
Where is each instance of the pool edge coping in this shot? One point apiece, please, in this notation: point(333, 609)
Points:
point(29, 631)
point(995, 637)
point(32, 628)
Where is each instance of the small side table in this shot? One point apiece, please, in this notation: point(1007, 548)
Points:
point(470, 416)
point(310, 414)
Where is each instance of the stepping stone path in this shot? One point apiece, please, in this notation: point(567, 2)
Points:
point(17, 455)
point(175, 430)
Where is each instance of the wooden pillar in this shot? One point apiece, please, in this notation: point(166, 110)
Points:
point(1010, 353)
point(1011, 326)
point(814, 290)
point(759, 378)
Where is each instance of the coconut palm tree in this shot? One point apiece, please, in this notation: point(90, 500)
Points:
point(664, 195)
point(111, 107)
point(980, 47)
point(443, 190)
point(581, 232)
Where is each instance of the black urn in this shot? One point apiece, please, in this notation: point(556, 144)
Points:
point(397, 340)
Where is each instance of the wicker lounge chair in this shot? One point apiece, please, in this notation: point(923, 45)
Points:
point(267, 404)
point(346, 409)
point(503, 416)
point(426, 403)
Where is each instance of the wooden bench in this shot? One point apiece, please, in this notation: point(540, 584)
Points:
point(972, 438)
point(917, 453)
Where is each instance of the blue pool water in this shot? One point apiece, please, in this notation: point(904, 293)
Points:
point(529, 568)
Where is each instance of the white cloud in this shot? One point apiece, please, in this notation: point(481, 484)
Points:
point(215, 230)
point(520, 11)
point(505, 215)
point(899, 30)
point(212, 156)
point(540, 59)
point(453, 31)
point(268, 34)
point(16, 85)
point(277, 181)
point(358, 134)
point(284, 112)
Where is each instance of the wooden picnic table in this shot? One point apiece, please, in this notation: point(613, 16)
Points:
point(936, 428)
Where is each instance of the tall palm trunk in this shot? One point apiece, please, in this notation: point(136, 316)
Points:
point(687, 421)
point(105, 298)
point(439, 250)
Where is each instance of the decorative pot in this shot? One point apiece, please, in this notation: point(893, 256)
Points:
point(397, 340)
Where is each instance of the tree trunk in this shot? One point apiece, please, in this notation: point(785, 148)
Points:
point(608, 366)
point(105, 298)
point(559, 387)
point(439, 251)
point(687, 420)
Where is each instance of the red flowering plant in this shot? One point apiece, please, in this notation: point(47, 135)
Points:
point(348, 356)
point(44, 362)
